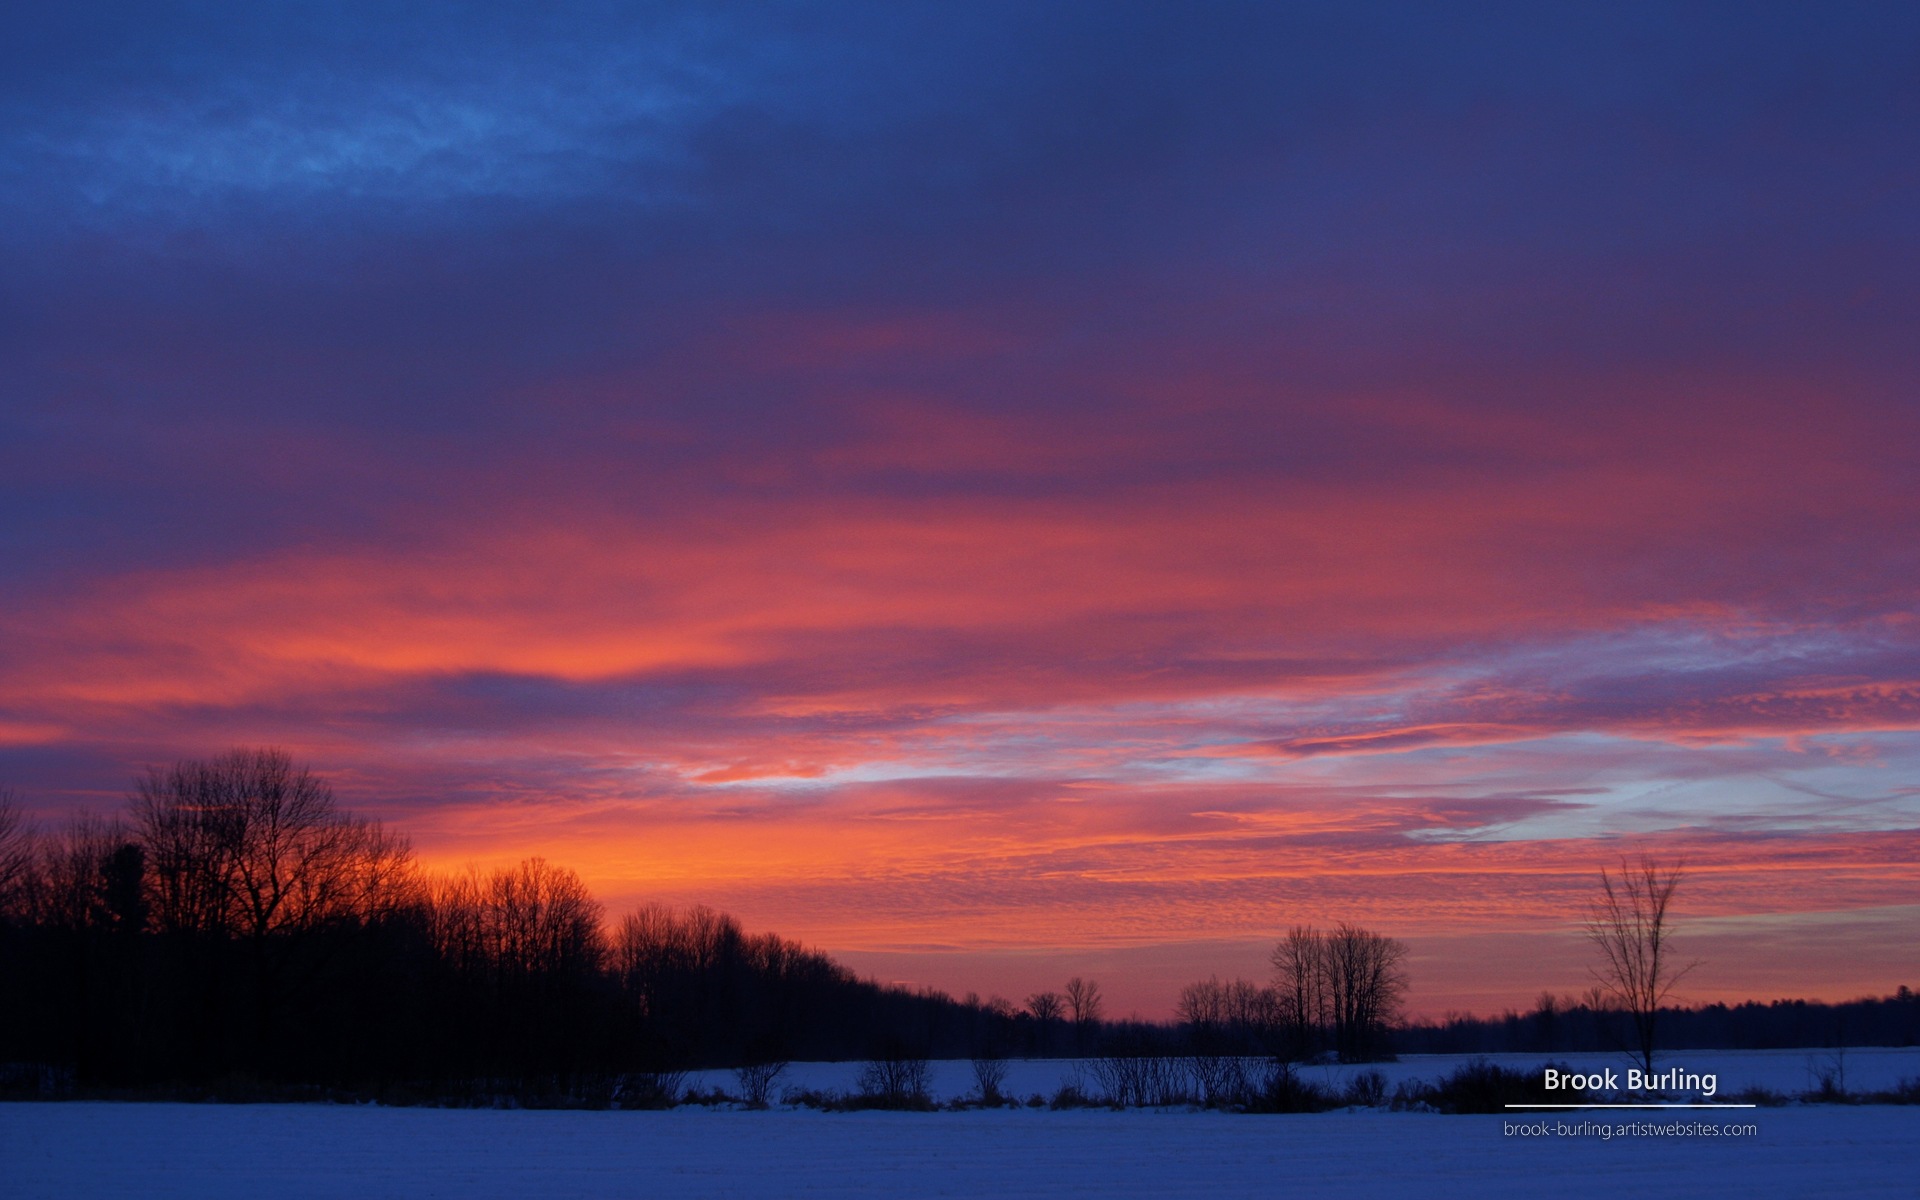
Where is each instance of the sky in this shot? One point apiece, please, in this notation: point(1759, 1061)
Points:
point(999, 491)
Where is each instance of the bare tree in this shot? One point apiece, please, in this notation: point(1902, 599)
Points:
point(1228, 1017)
point(1083, 1000)
point(249, 844)
point(541, 922)
point(1203, 1008)
point(183, 823)
point(1546, 1020)
point(1047, 1009)
point(1631, 924)
point(1365, 985)
point(1300, 985)
point(89, 877)
point(1347, 982)
point(16, 854)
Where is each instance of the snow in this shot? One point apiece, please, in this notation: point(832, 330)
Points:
point(1860, 1069)
point(293, 1151)
point(89, 1149)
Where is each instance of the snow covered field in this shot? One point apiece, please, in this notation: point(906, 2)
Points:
point(1863, 1069)
point(216, 1151)
point(289, 1151)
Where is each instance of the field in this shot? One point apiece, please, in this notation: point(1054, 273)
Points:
point(1858, 1069)
point(85, 1149)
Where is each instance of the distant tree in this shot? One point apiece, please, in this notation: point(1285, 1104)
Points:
point(1365, 985)
point(249, 844)
point(540, 921)
point(1047, 1010)
point(1631, 925)
point(90, 877)
point(682, 974)
point(1346, 983)
point(1300, 990)
point(16, 856)
point(1203, 1006)
point(1546, 1021)
point(1083, 1001)
point(1234, 1017)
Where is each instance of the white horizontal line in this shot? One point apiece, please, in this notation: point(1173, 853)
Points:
point(1632, 1106)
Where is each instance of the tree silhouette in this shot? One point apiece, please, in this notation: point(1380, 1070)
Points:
point(1631, 924)
point(249, 844)
point(1083, 1001)
point(1347, 982)
point(1046, 1008)
point(16, 856)
point(1365, 984)
point(1300, 985)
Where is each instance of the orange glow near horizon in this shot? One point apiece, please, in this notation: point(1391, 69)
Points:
point(1042, 730)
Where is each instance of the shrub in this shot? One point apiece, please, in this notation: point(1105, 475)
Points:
point(1140, 1082)
point(798, 1097)
point(757, 1080)
point(1222, 1081)
point(1284, 1090)
point(895, 1078)
point(1829, 1075)
point(1907, 1091)
point(649, 1089)
point(988, 1074)
point(1367, 1089)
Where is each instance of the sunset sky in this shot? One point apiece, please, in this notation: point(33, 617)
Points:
point(999, 492)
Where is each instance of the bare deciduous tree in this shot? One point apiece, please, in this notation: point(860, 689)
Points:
point(1631, 924)
point(1365, 984)
point(1237, 1016)
point(542, 921)
point(1047, 1009)
point(1083, 1001)
point(1347, 982)
point(249, 844)
point(1299, 982)
point(16, 853)
point(89, 877)
point(534, 921)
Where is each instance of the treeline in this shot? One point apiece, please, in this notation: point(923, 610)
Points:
point(1336, 993)
point(235, 923)
point(1569, 1024)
